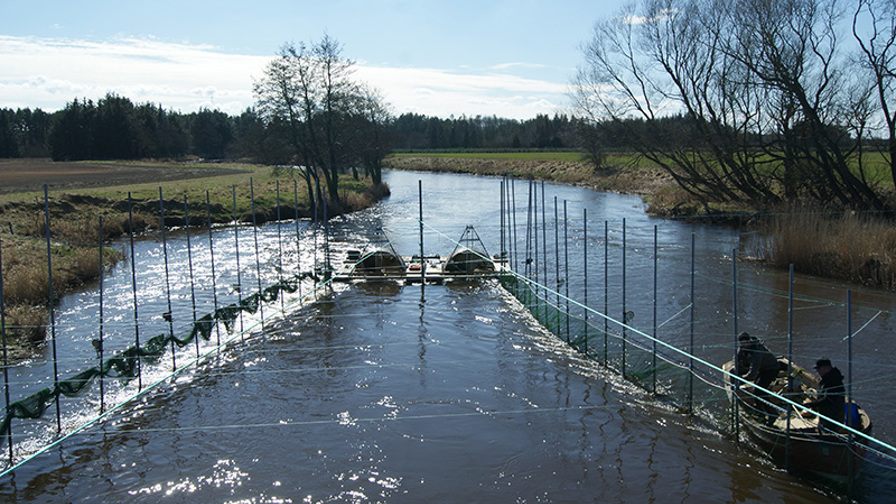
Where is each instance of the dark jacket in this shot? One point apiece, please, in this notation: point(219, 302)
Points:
point(831, 396)
point(755, 359)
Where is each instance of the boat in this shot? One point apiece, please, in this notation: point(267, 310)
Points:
point(794, 437)
point(469, 256)
point(379, 260)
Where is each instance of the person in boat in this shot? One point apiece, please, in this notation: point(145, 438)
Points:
point(754, 362)
point(831, 399)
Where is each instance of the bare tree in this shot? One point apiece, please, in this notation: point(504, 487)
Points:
point(286, 92)
point(878, 55)
point(662, 60)
point(310, 87)
point(765, 89)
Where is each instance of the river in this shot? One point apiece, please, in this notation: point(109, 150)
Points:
point(440, 393)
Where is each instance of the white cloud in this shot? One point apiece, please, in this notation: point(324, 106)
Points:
point(663, 15)
point(48, 73)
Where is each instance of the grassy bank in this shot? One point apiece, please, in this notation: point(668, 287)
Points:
point(624, 173)
point(76, 207)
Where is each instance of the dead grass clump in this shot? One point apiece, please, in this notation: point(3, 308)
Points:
point(353, 201)
point(850, 246)
point(25, 279)
point(25, 327)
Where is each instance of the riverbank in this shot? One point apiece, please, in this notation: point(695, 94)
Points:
point(849, 246)
point(79, 194)
point(624, 174)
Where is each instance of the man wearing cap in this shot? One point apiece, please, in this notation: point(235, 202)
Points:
point(831, 393)
point(756, 363)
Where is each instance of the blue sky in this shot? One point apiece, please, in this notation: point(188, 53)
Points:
point(505, 58)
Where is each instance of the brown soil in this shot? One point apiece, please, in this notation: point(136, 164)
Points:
point(30, 174)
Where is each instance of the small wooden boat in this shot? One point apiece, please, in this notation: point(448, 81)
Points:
point(796, 439)
point(469, 256)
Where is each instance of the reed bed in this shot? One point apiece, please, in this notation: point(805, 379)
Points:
point(855, 247)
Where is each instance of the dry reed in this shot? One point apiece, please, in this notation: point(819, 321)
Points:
point(853, 247)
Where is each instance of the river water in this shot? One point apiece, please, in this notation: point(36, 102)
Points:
point(441, 393)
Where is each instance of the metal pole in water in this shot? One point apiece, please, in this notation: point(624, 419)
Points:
point(5, 356)
point(566, 265)
point(557, 263)
point(735, 407)
point(501, 254)
point(585, 261)
point(327, 268)
point(606, 291)
point(514, 239)
point(528, 235)
point(789, 360)
point(190, 264)
point(134, 292)
point(295, 203)
point(279, 247)
point(544, 257)
point(101, 274)
point(691, 340)
point(211, 254)
point(537, 262)
point(168, 316)
point(52, 303)
point(236, 247)
point(655, 295)
point(420, 208)
point(624, 321)
point(257, 260)
point(850, 456)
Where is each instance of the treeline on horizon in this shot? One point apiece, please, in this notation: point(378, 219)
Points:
point(116, 128)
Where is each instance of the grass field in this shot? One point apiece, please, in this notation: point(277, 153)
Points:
point(521, 155)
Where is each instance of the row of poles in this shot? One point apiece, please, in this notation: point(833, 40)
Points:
point(531, 262)
point(100, 343)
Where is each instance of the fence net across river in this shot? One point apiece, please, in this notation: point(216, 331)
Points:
point(647, 309)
